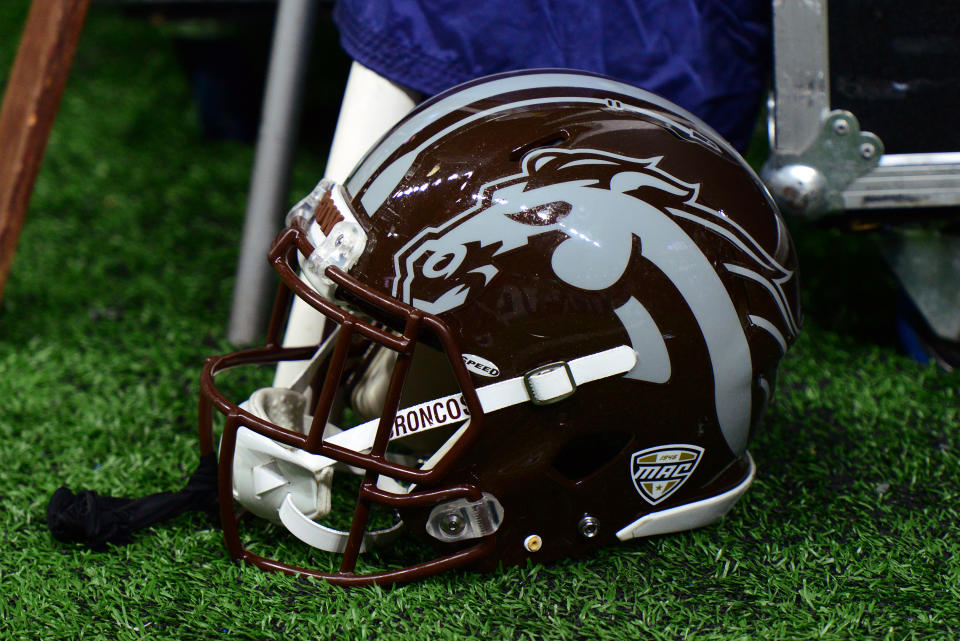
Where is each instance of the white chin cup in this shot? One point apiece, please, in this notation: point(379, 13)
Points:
point(265, 472)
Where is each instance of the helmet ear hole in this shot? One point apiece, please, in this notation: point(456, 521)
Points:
point(582, 456)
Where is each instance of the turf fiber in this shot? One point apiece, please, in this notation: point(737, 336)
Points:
point(121, 287)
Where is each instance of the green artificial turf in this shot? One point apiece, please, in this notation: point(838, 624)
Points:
point(121, 287)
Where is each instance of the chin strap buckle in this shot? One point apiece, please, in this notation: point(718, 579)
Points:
point(550, 383)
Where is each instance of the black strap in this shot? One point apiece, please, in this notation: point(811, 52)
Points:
point(94, 520)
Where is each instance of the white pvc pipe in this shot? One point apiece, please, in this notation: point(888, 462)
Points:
point(371, 105)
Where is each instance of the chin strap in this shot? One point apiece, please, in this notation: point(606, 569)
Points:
point(541, 386)
point(94, 520)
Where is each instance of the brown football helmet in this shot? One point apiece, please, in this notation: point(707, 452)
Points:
point(555, 305)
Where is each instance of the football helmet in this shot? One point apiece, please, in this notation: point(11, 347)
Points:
point(555, 305)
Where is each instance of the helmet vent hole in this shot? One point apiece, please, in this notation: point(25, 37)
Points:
point(584, 455)
point(551, 140)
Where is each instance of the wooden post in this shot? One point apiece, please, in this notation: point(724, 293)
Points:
point(30, 104)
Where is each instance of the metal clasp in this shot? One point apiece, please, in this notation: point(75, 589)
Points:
point(545, 385)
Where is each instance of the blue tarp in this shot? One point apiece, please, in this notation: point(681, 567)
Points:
point(709, 56)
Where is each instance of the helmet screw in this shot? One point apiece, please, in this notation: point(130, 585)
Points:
point(533, 543)
point(867, 150)
point(588, 527)
point(841, 127)
point(452, 523)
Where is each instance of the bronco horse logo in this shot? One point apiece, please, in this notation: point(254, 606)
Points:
point(600, 201)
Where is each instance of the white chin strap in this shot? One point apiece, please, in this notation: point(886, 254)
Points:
point(283, 483)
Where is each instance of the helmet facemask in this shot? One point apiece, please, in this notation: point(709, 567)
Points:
point(281, 450)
